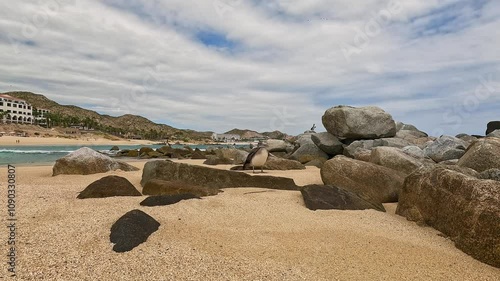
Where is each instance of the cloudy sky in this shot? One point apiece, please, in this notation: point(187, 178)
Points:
point(263, 65)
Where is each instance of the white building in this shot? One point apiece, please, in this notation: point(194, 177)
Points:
point(18, 111)
point(41, 115)
point(226, 137)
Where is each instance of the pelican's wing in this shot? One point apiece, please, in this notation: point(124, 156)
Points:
point(250, 156)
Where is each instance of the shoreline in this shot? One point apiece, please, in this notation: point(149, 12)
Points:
point(10, 141)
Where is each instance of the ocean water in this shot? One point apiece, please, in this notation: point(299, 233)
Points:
point(49, 154)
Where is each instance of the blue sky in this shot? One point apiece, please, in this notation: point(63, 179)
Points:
point(262, 65)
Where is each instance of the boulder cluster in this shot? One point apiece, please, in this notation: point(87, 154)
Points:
point(366, 159)
point(448, 182)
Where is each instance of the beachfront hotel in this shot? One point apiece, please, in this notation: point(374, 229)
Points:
point(18, 111)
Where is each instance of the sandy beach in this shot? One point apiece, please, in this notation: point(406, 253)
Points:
point(240, 234)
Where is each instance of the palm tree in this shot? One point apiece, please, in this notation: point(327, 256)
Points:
point(2, 115)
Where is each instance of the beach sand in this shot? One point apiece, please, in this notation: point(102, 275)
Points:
point(54, 141)
point(240, 234)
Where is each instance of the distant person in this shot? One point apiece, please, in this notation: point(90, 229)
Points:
point(313, 127)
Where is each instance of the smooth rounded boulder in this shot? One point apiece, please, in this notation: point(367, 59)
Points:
point(372, 182)
point(86, 161)
point(371, 122)
point(395, 159)
point(482, 155)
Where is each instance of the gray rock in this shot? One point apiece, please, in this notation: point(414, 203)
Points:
point(372, 182)
point(328, 143)
point(482, 155)
point(109, 186)
point(467, 138)
point(413, 151)
point(355, 147)
point(212, 178)
point(326, 197)
point(445, 148)
point(491, 174)
point(310, 150)
point(494, 134)
point(131, 230)
point(492, 126)
point(278, 146)
point(87, 161)
point(462, 207)
point(274, 163)
point(236, 155)
point(304, 139)
point(115, 148)
point(369, 122)
point(395, 159)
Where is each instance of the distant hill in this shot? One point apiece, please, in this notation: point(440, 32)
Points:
point(128, 123)
point(248, 134)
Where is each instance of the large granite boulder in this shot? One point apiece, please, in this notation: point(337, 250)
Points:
point(492, 126)
point(395, 159)
point(327, 142)
point(236, 156)
point(309, 151)
point(494, 134)
point(371, 122)
point(445, 148)
point(327, 197)
point(372, 182)
point(482, 155)
point(164, 187)
point(278, 146)
point(275, 163)
point(164, 200)
point(86, 161)
point(131, 230)
point(464, 208)
point(208, 177)
point(109, 186)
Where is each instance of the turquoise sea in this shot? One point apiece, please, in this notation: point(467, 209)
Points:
point(49, 154)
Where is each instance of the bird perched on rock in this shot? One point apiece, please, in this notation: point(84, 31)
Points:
point(257, 158)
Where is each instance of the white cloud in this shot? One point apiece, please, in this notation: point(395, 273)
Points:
point(285, 69)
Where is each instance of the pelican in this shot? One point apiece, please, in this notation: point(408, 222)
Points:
point(257, 158)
